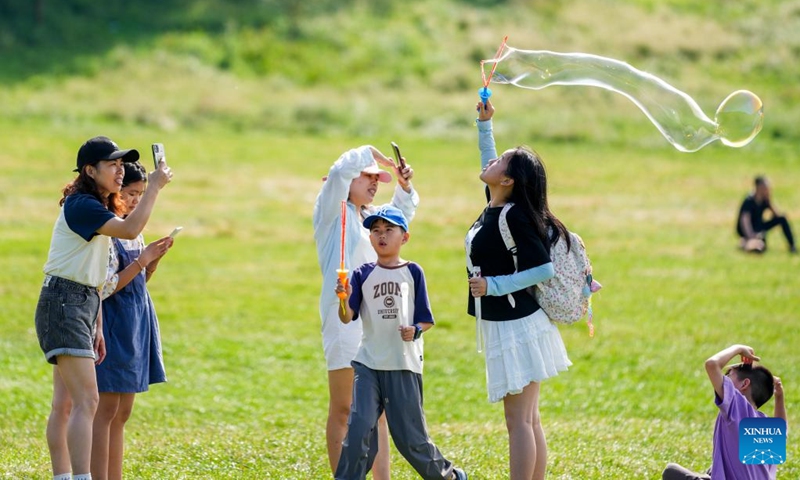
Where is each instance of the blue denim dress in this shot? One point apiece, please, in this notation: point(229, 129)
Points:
point(133, 342)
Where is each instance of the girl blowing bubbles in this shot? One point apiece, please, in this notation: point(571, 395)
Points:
point(523, 347)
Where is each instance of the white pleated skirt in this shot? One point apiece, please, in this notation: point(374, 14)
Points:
point(521, 351)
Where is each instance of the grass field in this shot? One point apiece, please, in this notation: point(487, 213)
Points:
point(237, 303)
point(255, 99)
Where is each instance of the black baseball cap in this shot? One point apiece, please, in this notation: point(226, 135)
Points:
point(102, 148)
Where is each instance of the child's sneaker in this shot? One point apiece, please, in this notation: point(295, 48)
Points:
point(459, 474)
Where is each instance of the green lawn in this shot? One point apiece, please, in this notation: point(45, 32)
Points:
point(255, 99)
point(237, 301)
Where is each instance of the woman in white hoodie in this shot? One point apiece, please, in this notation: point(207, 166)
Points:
point(354, 177)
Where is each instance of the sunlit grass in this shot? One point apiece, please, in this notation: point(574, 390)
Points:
point(252, 120)
point(237, 299)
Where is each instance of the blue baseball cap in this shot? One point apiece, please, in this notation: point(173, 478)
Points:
point(389, 213)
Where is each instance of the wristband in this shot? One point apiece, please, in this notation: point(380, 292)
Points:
point(417, 331)
point(141, 267)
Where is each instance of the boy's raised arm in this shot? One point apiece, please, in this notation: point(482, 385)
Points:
point(780, 406)
point(717, 362)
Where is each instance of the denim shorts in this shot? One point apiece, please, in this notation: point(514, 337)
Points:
point(66, 318)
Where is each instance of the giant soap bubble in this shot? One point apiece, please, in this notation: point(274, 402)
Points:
point(676, 115)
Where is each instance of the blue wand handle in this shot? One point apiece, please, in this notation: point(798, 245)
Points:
point(484, 93)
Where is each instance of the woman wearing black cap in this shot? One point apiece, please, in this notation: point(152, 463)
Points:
point(68, 320)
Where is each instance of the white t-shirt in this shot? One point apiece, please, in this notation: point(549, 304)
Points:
point(77, 251)
point(377, 302)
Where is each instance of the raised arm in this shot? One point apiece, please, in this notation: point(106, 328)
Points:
point(780, 405)
point(403, 176)
point(406, 200)
point(717, 362)
point(131, 226)
point(486, 143)
point(405, 197)
point(337, 184)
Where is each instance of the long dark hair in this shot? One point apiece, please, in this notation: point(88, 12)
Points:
point(83, 183)
point(526, 168)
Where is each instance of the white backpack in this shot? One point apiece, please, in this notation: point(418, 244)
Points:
point(566, 297)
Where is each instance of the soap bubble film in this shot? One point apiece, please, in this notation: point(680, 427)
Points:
point(675, 114)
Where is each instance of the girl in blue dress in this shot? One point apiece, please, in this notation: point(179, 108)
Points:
point(133, 343)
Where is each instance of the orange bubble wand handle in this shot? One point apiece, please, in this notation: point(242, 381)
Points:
point(342, 272)
point(342, 295)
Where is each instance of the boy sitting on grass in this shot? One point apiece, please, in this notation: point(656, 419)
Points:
point(739, 393)
point(388, 365)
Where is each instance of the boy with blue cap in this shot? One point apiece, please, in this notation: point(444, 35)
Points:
point(355, 178)
point(391, 299)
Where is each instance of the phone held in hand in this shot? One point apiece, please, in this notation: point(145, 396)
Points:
point(397, 157)
point(158, 154)
point(175, 232)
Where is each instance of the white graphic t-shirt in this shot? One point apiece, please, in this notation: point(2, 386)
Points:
point(377, 301)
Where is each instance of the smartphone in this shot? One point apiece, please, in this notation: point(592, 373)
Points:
point(158, 153)
point(175, 232)
point(398, 158)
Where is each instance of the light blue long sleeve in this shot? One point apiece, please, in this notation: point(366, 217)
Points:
point(486, 142)
point(505, 284)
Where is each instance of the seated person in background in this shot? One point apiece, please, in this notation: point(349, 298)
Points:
point(750, 224)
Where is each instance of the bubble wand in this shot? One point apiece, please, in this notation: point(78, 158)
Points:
point(342, 272)
point(485, 92)
point(403, 309)
point(476, 272)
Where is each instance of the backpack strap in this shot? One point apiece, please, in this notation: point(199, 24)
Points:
point(505, 232)
point(508, 239)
